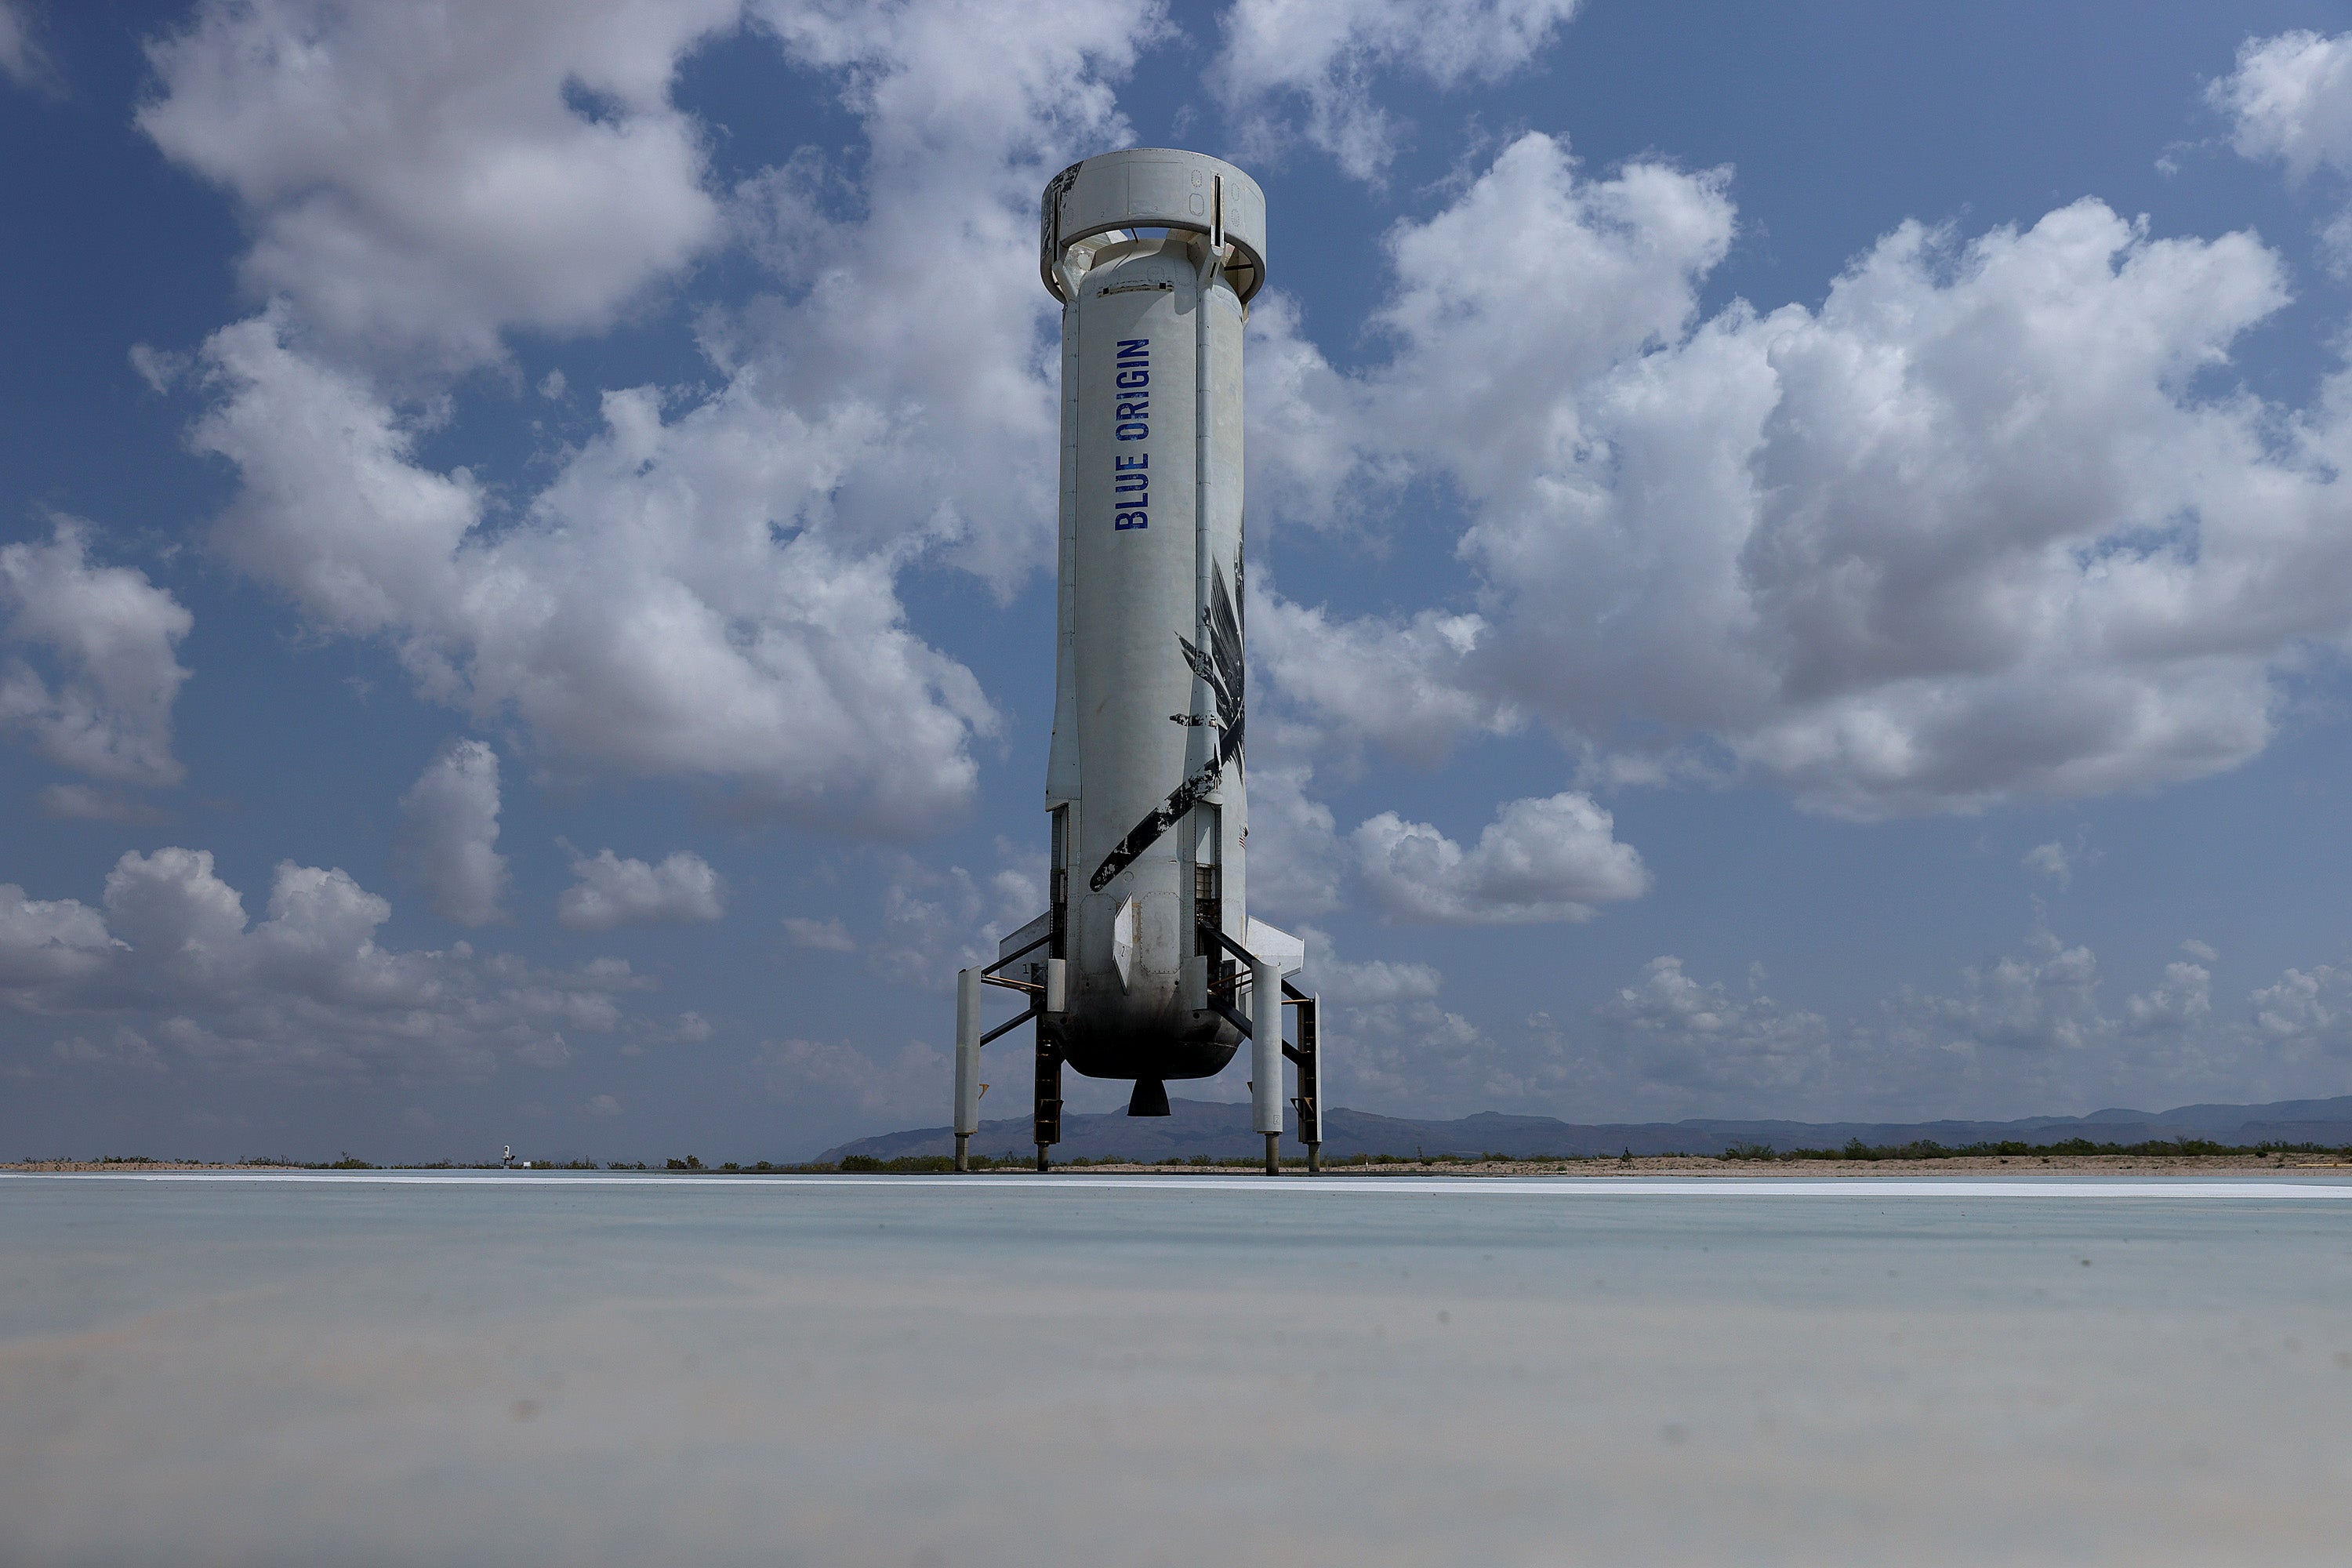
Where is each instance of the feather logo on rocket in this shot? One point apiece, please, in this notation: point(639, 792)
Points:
point(1217, 660)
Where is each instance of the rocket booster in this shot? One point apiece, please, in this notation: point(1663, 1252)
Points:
point(1154, 255)
point(1147, 964)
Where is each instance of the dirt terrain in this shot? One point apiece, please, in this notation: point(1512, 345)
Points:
point(87, 1165)
point(1602, 1169)
point(1697, 1165)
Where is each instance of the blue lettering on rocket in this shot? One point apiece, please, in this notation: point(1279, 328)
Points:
point(1132, 414)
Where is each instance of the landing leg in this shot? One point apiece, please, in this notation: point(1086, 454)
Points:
point(1310, 1082)
point(1266, 1057)
point(1048, 1116)
point(967, 1064)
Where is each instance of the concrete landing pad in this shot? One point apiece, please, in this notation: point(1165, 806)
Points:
point(526, 1368)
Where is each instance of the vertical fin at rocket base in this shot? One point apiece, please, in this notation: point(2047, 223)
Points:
point(1123, 937)
point(1221, 667)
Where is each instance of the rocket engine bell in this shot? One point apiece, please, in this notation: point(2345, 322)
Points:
point(1141, 967)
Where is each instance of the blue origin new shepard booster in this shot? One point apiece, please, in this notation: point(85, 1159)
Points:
point(1148, 966)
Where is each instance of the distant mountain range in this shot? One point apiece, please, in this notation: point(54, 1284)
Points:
point(1222, 1130)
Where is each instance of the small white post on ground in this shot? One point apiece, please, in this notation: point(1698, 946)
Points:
point(967, 1064)
point(1266, 1056)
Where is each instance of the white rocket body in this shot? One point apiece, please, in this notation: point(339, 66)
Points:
point(1148, 966)
point(1154, 254)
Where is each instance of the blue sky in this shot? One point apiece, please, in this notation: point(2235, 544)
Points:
point(1799, 555)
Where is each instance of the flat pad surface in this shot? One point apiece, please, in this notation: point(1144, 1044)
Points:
point(544, 1368)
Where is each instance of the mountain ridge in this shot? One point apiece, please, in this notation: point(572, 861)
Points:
point(1221, 1129)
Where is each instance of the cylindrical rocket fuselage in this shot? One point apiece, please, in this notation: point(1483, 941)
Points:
point(1153, 254)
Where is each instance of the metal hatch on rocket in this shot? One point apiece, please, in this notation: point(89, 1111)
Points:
point(1148, 966)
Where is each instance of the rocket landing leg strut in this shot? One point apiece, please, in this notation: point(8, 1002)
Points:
point(1308, 1101)
point(1047, 995)
point(1269, 994)
point(1048, 1114)
point(1309, 1055)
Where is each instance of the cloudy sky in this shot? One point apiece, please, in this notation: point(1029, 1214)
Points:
point(1802, 556)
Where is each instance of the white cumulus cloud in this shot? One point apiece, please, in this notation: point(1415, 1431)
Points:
point(90, 803)
point(1694, 1035)
point(1365, 983)
point(2045, 1000)
point(1398, 685)
point(89, 660)
point(705, 590)
point(1296, 861)
point(2051, 860)
point(22, 60)
point(2304, 1005)
point(824, 936)
point(1971, 532)
point(2290, 102)
point(171, 963)
point(1412, 1056)
point(1539, 859)
point(47, 941)
point(937, 922)
point(834, 1079)
point(1324, 59)
point(419, 179)
point(645, 620)
point(2290, 99)
point(967, 111)
point(612, 891)
point(2183, 1001)
point(449, 835)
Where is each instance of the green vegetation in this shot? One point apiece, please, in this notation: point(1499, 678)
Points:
point(1743, 1151)
point(905, 1164)
point(2009, 1148)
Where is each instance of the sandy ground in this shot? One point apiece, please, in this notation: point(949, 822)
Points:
point(1691, 1165)
point(88, 1166)
point(1641, 1165)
